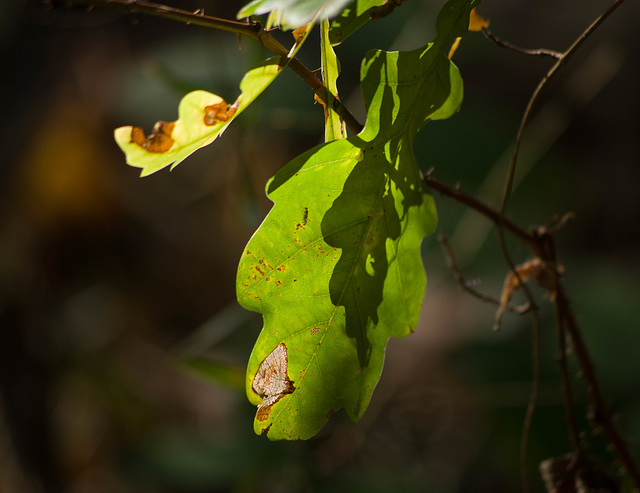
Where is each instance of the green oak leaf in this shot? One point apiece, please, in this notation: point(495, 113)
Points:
point(291, 14)
point(351, 19)
point(335, 268)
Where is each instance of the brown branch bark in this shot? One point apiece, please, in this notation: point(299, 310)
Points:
point(548, 243)
point(541, 52)
point(603, 416)
point(457, 275)
point(620, 445)
point(483, 209)
point(541, 244)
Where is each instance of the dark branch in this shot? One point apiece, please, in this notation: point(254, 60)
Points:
point(547, 239)
point(603, 415)
point(148, 8)
point(527, 113)
point(541, 52)
point(457, 275)
point(616, 440)
point(480, 207)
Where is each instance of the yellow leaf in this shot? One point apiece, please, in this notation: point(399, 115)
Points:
point(454, 47)
point(301, 33)
point(477, 23)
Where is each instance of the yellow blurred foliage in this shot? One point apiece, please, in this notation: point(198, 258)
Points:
point(63, 174)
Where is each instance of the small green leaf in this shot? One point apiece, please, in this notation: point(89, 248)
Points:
point(291, 14)
point(334, 126)
point(335, 268)
point(352, 19)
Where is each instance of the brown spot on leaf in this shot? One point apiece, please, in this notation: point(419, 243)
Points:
point(159, 141)
point(271, 381)
point(315, 330)
point(219, 112)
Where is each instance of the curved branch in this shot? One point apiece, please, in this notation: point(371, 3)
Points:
point(541, 52)
point(564, 58)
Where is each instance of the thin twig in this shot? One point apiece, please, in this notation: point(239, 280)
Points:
point(603, 415)
point(457, 275)
point(252, 30)
point(527, 113)
point(533, 399)
point(197, 18)
point(550, 252)
point(509, 185)
point(480, 207)
point(535, 356)
point(574, 437)
point(541, 52)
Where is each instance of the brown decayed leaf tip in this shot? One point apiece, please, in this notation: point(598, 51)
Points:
point(219, 112)
point(159, 141)
point(271, 381)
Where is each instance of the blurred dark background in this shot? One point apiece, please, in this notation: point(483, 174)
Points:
point(110, 284)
